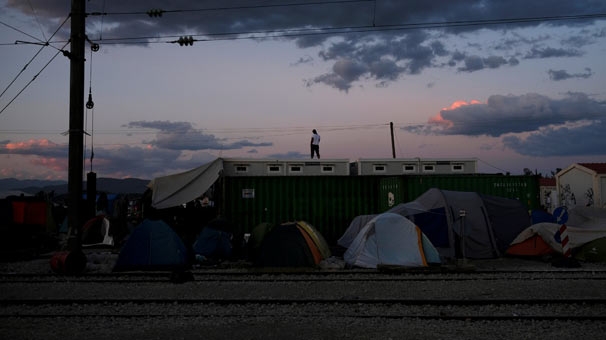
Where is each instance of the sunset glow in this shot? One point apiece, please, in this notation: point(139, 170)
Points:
point(30, 144)
point(459, 103)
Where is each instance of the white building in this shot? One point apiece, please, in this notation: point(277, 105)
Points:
point(282, 167)
point(414, 166)
point(548, 192)
point(582, 184)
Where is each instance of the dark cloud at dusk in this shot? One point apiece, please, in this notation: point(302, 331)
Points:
point(162, 154)
point(182, 136)
point(558, 75)
point(364, 40)
point(586, 140)
point(573, 124)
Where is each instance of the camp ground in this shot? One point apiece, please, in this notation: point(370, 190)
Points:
point(439, 227)
point(218, 214)
point(459, 224)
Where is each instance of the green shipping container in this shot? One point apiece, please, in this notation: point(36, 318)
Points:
point(329, 203)
point(391, 192)
point(522, 188)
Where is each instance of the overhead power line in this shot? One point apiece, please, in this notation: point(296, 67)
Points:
point(31, 81)
point(20, 31)
point(157, 12)
point(46, 43)
point(300, 32)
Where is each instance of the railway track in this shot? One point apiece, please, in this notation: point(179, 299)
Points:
point(453, 309)
point(309, 304)
point(309, 276)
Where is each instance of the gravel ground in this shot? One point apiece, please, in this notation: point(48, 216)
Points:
point(322, 327)
point(296, 321)
point(102, 261)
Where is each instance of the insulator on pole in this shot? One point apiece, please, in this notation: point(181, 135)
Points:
point(187, 41)
point(155, 13)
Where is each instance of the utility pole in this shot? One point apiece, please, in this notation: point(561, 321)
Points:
point(393, 146)
point(76, 123)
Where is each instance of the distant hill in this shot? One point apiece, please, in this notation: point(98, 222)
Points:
point(108, 185)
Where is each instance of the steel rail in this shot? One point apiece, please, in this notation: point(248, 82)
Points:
point(298, 277)
point(271, 301)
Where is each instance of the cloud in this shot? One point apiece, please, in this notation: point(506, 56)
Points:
point(551, 52)
point(586, 140)
point(303, 60)
point(134, 161)
point(166, 153)
point(338, 31)
point(34, 147)
point(182, 136)
point(512, 114)
point(557, 75)
point(530, 124)
point(476, 63)
point(123, 161)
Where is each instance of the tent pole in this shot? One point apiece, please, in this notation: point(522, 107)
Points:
point(462, 214)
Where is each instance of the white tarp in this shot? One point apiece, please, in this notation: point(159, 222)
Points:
point(390, 239)
point(584, 225)
point(576, 236)
point(174, 190)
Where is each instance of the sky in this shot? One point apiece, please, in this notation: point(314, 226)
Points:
point(514, 84)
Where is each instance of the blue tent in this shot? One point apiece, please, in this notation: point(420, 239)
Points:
point(213, 243)
point(153, 245)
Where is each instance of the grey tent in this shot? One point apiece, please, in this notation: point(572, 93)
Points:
point(489, 225)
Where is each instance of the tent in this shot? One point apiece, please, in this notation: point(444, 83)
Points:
point(391, 239)
point(584, 226)
point(292, 244)
point(593, 251)
point(153, 245)
point(213, 243)
point(96, 232)
point(487, 228)
point(532, 246)
point(174, 190)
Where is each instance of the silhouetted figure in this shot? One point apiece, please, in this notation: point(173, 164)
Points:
point(315, 144)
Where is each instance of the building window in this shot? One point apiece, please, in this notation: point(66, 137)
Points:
point(274, 169)
point(241, 168)
point(457, 167)
point(328, 168)
point(408, 168)
point(429, 168)
point(295, 169)
point(379, 168)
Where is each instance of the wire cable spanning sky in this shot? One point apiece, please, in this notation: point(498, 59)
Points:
point(514, 86)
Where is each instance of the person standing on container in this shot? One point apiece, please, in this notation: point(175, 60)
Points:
point(315, 144)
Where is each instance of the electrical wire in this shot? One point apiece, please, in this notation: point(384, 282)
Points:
point(302, 32)
point(292, 4)
point(30, 61)
point(20, 31)
point(505, 171)
point(31, 81)
point(37, 20)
